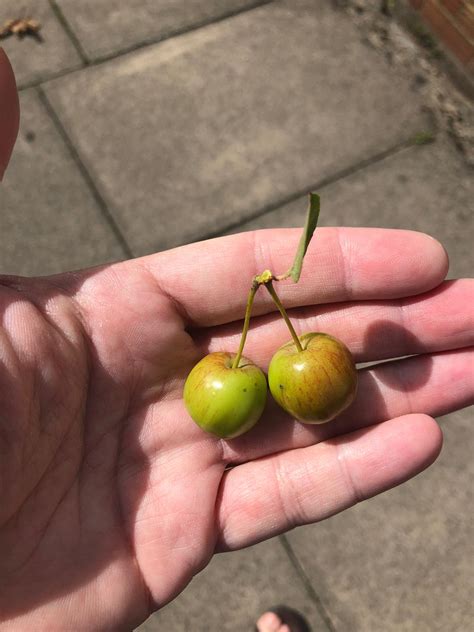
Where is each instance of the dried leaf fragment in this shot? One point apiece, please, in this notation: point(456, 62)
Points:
point(21, 27)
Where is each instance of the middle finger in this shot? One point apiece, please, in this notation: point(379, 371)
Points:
point(438, 320)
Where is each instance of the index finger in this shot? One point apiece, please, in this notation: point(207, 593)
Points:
point(210, 280)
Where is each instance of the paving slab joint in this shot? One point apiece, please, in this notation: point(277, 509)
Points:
point(422, 137)
point(151, 41)
point(69, 32)
point(86, 61)
point(312, 594)
point(108, 216)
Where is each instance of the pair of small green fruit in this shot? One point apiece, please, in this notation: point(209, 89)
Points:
point(312, 377)
point(313, 383)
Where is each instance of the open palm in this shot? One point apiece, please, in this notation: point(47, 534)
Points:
point(112, 498)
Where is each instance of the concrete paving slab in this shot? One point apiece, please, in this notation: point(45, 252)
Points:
point(401, 561)
point(427, 188)
point(197, 133)
point(49, 221)
point(31, 59)
point(105, 28)
point(234, 590)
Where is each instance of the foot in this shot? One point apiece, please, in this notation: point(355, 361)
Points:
point(282, 619)
point(271, 622)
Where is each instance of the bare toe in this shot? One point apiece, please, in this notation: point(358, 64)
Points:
point(282, 619)
point(270, 622)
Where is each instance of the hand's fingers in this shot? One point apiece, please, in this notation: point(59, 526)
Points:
point(436, 321)
point(263, 498)
point(432, 384)
point(210, 280)
point(9, 111)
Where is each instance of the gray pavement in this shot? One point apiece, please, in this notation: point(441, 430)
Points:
point(103, 29)
point(50, 219)
point(216, 127)
point(426, 188)
point(146, 125)
point(234, 589)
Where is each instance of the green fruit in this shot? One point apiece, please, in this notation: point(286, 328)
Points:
point(225, 401)
point(315, 384)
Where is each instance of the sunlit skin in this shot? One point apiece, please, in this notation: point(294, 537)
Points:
point(316, 384)
point(224, 401)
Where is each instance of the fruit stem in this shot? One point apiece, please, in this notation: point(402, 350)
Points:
point(278, 303)
point(245, 328)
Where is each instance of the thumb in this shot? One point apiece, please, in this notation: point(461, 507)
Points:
point(9, 111)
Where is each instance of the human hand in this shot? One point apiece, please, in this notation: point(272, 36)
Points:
point(112, 498)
